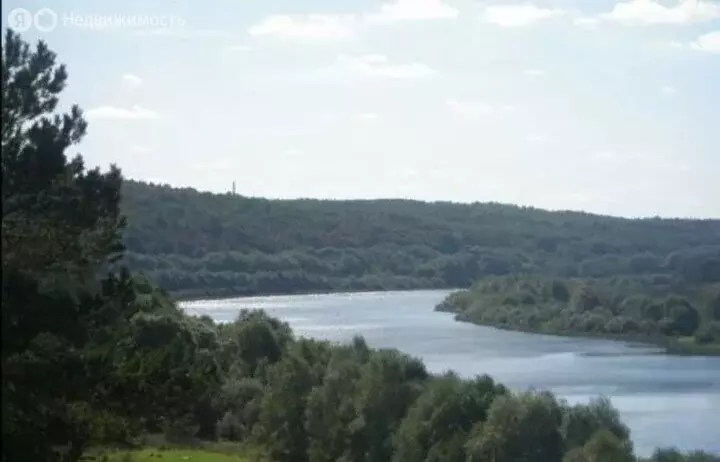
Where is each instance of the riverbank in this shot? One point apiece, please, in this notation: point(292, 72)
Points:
point(675, 346)
point(678, 315)
point(647, 388)
point(683, 346)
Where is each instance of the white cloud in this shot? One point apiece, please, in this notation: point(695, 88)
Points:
point(535, 72)
point(474, 109)
point(140, 149)
point(668, 90)
point(709, 42)
point(536, 137)
point(292, 151)
point(518, 15)
point(238, 48)
point(404, 173)
point(586, 22)
point(367, 116)
point(647, 12)
point(611, 156)
point(313, 26)
point(374, 65)
point(220, 164)
point(118, 113)
point(606, 156)
point(413, 10)
point(132, 80)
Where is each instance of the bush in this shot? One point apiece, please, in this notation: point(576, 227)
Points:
point(585, 299)
point(180, 431)
point(560, 291)
point(229, 427)
point(708, 333)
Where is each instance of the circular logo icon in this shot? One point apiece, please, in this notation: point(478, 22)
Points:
point(45, 20)
point(19, 19)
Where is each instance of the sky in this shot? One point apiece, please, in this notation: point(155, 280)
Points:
point(607, 106)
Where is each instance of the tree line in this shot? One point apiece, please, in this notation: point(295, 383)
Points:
point(195, 244)
point(681, 314)
point(96, 356)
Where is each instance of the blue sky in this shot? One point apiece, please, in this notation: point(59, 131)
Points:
point(599, 105)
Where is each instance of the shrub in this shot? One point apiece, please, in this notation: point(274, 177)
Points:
point(708, 333)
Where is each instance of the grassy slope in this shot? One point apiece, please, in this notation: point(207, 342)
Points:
point(173, 455)
point(206, 452)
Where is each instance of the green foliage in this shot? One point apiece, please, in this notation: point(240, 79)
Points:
point(280, 425)
point(61, 223)
point(252, 341)
point(88, 357)
point(331, 409)
point(179, 455)
point(684, 318)
point(714, 306)
point(673, 455)
point(708, 333)
point(560, 291)
point(388, 384)
point(519, 428)
point(650, 306)
point(438, 423)
point(605, 446)
point(54, 211)
point(194, 243)
point(584, 299)
point(582, 421)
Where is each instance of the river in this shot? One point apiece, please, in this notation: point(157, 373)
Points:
point(665, 400)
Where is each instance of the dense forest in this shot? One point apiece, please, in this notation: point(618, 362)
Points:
point(195, 244)
point(678, 313)
point(95, 358)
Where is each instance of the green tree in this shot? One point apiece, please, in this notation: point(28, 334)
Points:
point(438, 423)
point(252, 340)
point(714, 306)
point(582, 421)
point(61, 223)
point(55, 213)
point(519, 428)
point(281, 421)
point(673, 455)
point(685, 319)
point(584, 299)
point(560, 291)
point(604, 446)
point(330, 409)
point(708, 333)
point(388, 384)
point(66, 313)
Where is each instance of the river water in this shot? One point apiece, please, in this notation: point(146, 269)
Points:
point(665, 400)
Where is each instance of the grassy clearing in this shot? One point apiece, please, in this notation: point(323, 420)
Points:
point(208, 452)
point(173, 455)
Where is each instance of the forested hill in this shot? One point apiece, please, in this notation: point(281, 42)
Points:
point(195, 243)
